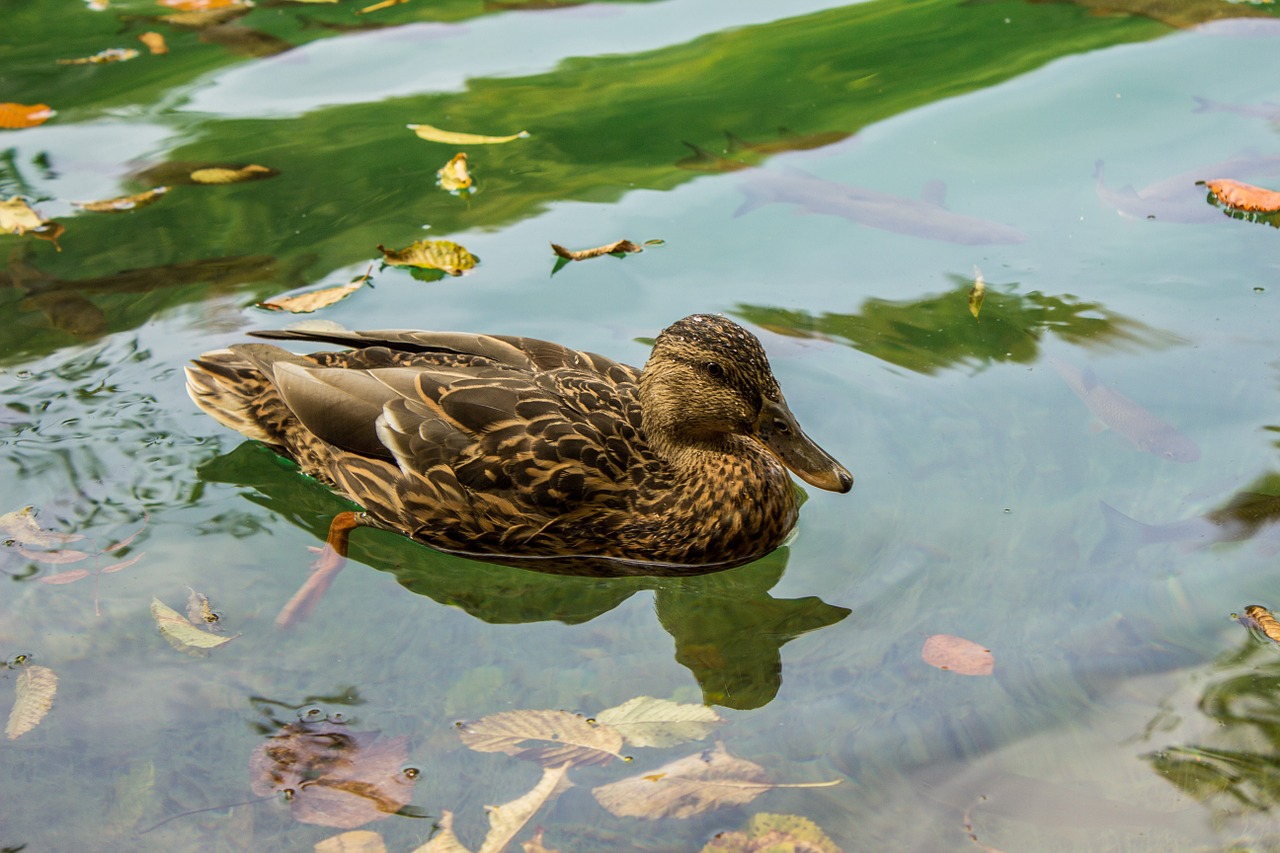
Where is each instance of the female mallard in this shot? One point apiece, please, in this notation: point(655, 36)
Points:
point(506, 447)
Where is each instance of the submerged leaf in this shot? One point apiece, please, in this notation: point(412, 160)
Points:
point(975, 295)
point(646, 721)
point(450, 137)
point(20, 527)
point(444, 255)
point(111, 54)
point(547, 737)
point(444, 841)
point(617, 247)
point(35, 686)
point(181, 634)
point(69, 576)
point(155, 43)
point(535, 844)
point(355, 841)
point(453, 176)
point(774, 833)
point(124, 202)
point(508, 819)
point(200, 612)
point(220, 175)
point(689, 786)
point(1242, 196)
point(68, 555)
point(312, 300)
point(17, 218)
point(123, 564)
point(956, 654)
point(18, 116)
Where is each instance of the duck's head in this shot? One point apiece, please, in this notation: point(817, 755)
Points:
point(708, 384)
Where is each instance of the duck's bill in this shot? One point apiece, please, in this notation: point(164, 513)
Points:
point(778, 431)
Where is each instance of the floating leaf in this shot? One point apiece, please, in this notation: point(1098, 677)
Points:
point(50, 231)
point(69, 576)
point(312, 300)
point(1242, 196)
point(975, 295)
point(207, 19)
point(1258, 617)
point(20, 527)
point(199, 611)
point(181, 634)
point(124, 202)
point(692, 785)
point(453, 176)
point(17, 218)
point(18, 116)
point(618, 247)
point(233, 175)
point(155, 43)
point(450, 137)
point(444, 255)
point(444, 841)
point(646, 721)
point(112, 54)
point(508, 819)
point(355, 841)
point(35, 686)
point(332, 776)
point(774, 833)
point(956, 654)
point(547, 737)
point(385, 4)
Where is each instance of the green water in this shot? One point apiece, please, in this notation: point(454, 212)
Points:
point(1126, 712)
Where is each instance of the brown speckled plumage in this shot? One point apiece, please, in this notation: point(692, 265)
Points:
point(523, 449)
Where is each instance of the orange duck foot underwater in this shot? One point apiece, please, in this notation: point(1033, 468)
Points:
point(513, 449)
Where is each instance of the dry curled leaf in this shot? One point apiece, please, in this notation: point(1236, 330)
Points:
point(123, 203)
point(453, 176)
point(232, 175)
point(774, 833)
point(617, 247)
point(181, 634)
point(444, 255)
point(977, 293)
point(35, 687)
point(444, 841)
point(508, 819)
point(1241, 196)
point(646, 721)
point(689, 786)
point(1260, 619)
point(312, 300)
point(18, 116)
point(111, 54)
point(450, 137)
point(16, 217)
point(355, 841)
point(155, 43)
point(547, 737)
point(956, 654)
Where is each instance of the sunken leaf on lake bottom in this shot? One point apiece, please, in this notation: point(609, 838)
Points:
point(547, 737)
point(774, 833)
point(181, 634)
point(646, 721)
point(333, 776)
point(35, 687)
point(690, 786)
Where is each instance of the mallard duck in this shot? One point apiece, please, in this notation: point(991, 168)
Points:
point(515, 448)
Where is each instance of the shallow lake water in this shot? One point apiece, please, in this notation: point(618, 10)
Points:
point(833, 176)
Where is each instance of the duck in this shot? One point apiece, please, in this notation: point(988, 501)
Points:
point(513, 450)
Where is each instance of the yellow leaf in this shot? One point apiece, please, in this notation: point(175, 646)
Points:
point(113, 54)
point(21, 527)
point(454, 175)
point(1241, 196)
point(449, 137)
point(35, 687)
point(444, 255)
point(357, 840)
point(385, 4)
point(1265, 622)
point(617, 247)
point(123, 203)
point(975, 295)
point(774, 833)
point(550, 738)
point(646, 721)
point(16, 116)
point(181, 634)
point(219, 175)
point(17, 218)
point(507, 819)
point(444, 841)
point(312, 300)
point(154, 42)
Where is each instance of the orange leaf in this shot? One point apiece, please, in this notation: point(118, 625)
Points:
point(154, 42)
point(16, 116)
point(1242, 196)
point(956, 654)
point(199, 5)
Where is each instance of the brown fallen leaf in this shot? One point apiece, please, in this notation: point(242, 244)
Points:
point(509, 818)
point(17, 116)
point(978, 292)
point(444, 841)
point(312, 300)
point(646, 721)
point(385, 4)
point(773, 833)
point(111, 54)
point(1241, 196)
point(184, 636)
point(123, 203)
point(452, 137)
point(956, 654)
point(444, 255)
point(35, 687)
point(155, 43)
point(617, 247)
point(547, 737)
point(333, 776)
point(233, 175)
point(16, 217)
point(692, 785)
point(68, 312)
point(355, 841)
point(1260, 618)
point(453, 176)
point(50, 231)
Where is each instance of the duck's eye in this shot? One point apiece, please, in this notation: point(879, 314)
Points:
point(782, 426)
point(714, 370)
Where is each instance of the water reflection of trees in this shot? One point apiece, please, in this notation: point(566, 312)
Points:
point(728, 629)
point(936, 332)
